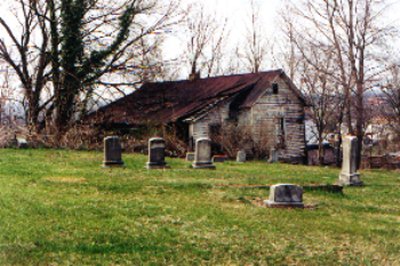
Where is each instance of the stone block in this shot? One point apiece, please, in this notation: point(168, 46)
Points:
point(202, 156)
point(22, 143)
point(349, 175)
point(273, 156)
point(285, 195)
point(112, 152)
point(156, 156)
point(241, 156)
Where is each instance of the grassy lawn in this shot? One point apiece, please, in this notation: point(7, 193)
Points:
point(62, 208)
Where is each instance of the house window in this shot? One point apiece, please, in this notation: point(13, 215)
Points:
point(275, 88)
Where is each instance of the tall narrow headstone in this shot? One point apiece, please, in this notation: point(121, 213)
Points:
point(156, 159)
point(349, 175)
point(202, 156)
point(285, 195)
point(241, 156)
point(112, 152)
point(273, 156)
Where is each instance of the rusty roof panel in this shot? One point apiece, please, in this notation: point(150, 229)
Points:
point(165, 102)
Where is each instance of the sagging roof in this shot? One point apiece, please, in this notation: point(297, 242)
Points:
point(165, 102)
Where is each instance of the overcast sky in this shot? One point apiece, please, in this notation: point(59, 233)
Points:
point(237, 12)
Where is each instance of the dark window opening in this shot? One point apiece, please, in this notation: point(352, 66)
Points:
point(282, 132)
point(275, 88)
point(215, 129)
point(282, 122)
point(235, 105)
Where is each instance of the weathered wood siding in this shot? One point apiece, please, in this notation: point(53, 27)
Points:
point(201, 127)
point(267, 113)
point(264, 120)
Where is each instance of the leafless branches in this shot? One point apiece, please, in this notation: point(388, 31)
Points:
point(206, 40)
point(347, 32)
point(61, 66)
point(256, 42)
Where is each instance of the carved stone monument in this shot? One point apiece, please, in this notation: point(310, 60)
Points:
point(349, 175)
point(202, 156)
point(241, 156)
point(156, 159)
point(112, 152)
point(285, 196)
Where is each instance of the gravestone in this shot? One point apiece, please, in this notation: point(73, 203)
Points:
point(349, 175)
point(22, 143)
point(190, 156)
point(273, 156)
point(156, 157)
point(112, 152)
point(241, 156)
point(18, 142)
point(285, 195)
point(202, 155)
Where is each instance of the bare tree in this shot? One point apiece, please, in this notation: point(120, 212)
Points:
point(391, 93)
point(64, 52)
point(256, 41)
point(206, 40)
point(29, 60)
point(320, 94)
point(349, 30)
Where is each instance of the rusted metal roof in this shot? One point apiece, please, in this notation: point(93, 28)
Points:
point(164, 102)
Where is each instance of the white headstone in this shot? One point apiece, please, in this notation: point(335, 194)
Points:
point(273, 156)
point(22, 143)
point(285, 195)
point(202, 155)
point(241, 156)
point(349, 175)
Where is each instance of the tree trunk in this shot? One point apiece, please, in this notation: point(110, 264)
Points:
point(321, 153)
point(360, 122)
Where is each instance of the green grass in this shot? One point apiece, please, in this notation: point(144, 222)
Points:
point(61, 208)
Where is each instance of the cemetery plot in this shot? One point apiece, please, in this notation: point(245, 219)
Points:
point(59, 207)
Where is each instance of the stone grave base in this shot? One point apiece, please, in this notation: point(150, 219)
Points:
point(151, 166)
point(203, 166)
point(273, 204)
point(350, 180)
point(260, 202)
point(108, 164)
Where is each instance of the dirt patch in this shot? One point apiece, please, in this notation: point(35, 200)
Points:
point(66, 179)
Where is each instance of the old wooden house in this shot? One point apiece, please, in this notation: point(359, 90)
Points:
point(267, 106)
